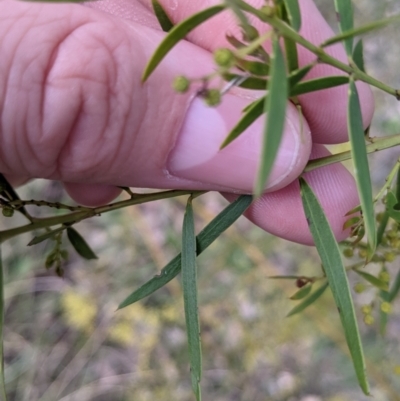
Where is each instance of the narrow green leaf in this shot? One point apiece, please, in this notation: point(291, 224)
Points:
point(162, 17)
point(318, 84)
point(275, 107)
point(3, 394)
point(302, 292)
point(248, 83)
point(177, 33)
point(308, 301)
point(349, 33)
point(293, 12)
point(397, 191)
point(344, 12)
point(80, 245)
point(43, 237)
point(351, 222)
point(358, 55)
point(376, 282)
point(361, 167)
point(296, 76)
point(189, 283)
point(335, 271)
point(205, 238)
point(394, 290)
point(391, 202)
point(258, 53)
point(7, 192)
point(251, 115)
point(382, 227)
point(254, 67)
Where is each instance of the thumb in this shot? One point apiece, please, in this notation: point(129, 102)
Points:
point(74, 109)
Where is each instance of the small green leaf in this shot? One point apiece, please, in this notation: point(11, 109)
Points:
point(258, 53)
point(47, 235)
point(318, 84)
point(254, 67)
point(293, 12)
point(162, 17)
point(361, 167)
point(382, 227)
point(394, 290)
point(275, 107)
point(350, 33)
point(308, 301)
point(302, 292)
point(296, 76)
point(189, 283)
point(397, 189)
point(251, 114)
point(376, 282)
point(80, 245)
point(351, 222)
point(205, 238)
point(391, 202)
point(344, 12)
point(177, 33)
point(335, 271)
point(3, 394)
point(358, 55)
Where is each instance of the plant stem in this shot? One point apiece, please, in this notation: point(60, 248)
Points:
point(74, 217)
point(377, 145)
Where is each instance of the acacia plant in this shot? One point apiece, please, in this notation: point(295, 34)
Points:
point(374, 224)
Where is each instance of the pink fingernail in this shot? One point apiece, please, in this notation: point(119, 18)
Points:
point(197, 155)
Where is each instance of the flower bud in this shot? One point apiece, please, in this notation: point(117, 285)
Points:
point(386, 307)
point(359, 288)
point(369, 319)
point(181, 84)
point(212, 97)
point(224, 58)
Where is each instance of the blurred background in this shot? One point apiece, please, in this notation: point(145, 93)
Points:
point(65, 341)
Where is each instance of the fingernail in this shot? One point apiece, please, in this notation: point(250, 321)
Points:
point(197, 156)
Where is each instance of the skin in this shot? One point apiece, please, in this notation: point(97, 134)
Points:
point(73, 107)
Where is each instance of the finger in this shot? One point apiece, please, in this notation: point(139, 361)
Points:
point(324, 110)
point(92, 194)
point(74, 108)
point(281, 212)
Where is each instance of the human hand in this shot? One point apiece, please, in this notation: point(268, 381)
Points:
point(74, 110)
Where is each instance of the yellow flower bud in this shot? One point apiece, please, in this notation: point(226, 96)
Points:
point(386, 307)
point(369, 319)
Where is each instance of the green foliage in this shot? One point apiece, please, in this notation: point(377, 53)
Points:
point(249, 66)
point(176, 34)
point(79, 244)
point(204, 239)
point(361, 167)
point(162, 17)
point(189, 283)
point(274, 105)
point(335, 271)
